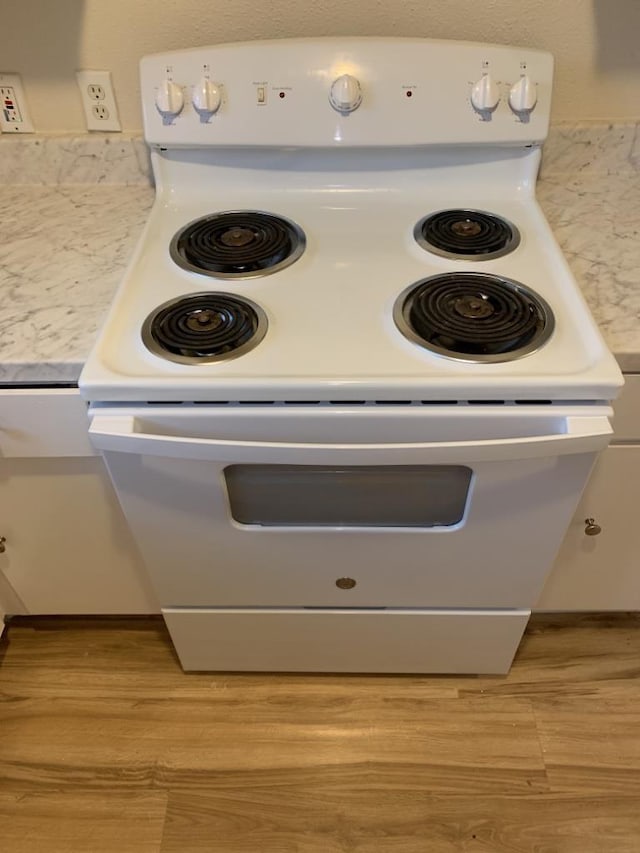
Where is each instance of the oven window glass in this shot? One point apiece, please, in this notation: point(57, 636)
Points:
point(348, 496)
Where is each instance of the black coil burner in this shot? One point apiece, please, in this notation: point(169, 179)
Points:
point(474, 317)
point(204, 327)
point(468, 234)
point(238, 244)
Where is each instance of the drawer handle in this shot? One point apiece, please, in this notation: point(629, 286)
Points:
point(345, 583)
point(3, 539)
point(591, 528)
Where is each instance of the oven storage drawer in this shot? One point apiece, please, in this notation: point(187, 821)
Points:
point(308, 640)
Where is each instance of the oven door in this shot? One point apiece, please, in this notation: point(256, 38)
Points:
point(349, 506)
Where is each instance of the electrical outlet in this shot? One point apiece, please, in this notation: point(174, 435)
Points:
point(95, 92)
point(14, 117)
point(100, 112)
point(98, 100)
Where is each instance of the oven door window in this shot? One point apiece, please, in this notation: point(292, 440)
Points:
point(348, 496)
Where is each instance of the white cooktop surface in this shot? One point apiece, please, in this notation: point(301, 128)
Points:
point(331, 333)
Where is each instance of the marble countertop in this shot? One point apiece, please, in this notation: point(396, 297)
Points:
point(93, 193)
point(57, 279)
point(589, 189)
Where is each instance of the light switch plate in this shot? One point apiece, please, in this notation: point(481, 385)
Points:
point(14, 116)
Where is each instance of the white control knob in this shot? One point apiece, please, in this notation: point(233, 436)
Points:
point(206, 97)
point(345, 95)
point(523, 95)
point(169, 99)
point(485, 95)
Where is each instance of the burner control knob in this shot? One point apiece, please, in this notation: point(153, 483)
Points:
point(206, 97)
point(170, 99)
point(485, 95)
point(523, 96)
point(345, 95)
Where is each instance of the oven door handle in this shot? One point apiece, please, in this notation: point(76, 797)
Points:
point(583, 434)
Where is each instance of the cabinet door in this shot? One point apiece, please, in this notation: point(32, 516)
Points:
point(10, 604)
point(68, 548)
point(602, 572)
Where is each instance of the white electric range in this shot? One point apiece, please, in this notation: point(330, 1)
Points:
point(348, 391)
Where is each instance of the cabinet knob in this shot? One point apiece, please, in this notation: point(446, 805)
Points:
point(345, 583)
point(591, 528)
point(3, 539)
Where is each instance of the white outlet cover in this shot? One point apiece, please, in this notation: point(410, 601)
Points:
point(107, 117)
point(14, 116)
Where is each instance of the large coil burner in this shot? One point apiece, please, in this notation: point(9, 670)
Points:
point(474, 317)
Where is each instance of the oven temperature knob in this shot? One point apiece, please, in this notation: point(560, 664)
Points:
point(206, 97)
point(485, 95)
point(170, 99)
point(523, 96)
point(345, 95)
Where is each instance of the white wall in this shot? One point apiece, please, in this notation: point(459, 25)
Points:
point(596, 42)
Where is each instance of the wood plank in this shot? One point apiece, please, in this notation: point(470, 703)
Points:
point(184, 742)
point(591, 745)
point(581, 655)
point(82, 823)
point(357, 818)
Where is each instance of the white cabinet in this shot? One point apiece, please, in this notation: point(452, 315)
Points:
point(67, 547)
point(603, 572)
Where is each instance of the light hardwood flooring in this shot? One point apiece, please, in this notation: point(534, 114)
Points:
point(106, 746)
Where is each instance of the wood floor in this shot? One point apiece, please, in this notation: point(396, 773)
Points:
point(106, 746)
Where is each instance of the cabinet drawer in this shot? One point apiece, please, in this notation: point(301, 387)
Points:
point(307, 640)
point(43, 422)
point(626, 423)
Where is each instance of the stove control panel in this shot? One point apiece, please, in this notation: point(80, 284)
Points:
point(347, 92)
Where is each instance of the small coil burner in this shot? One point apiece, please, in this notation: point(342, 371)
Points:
point(204, 327)
point(468, 234)
point(238, 244)
point(474, 317)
